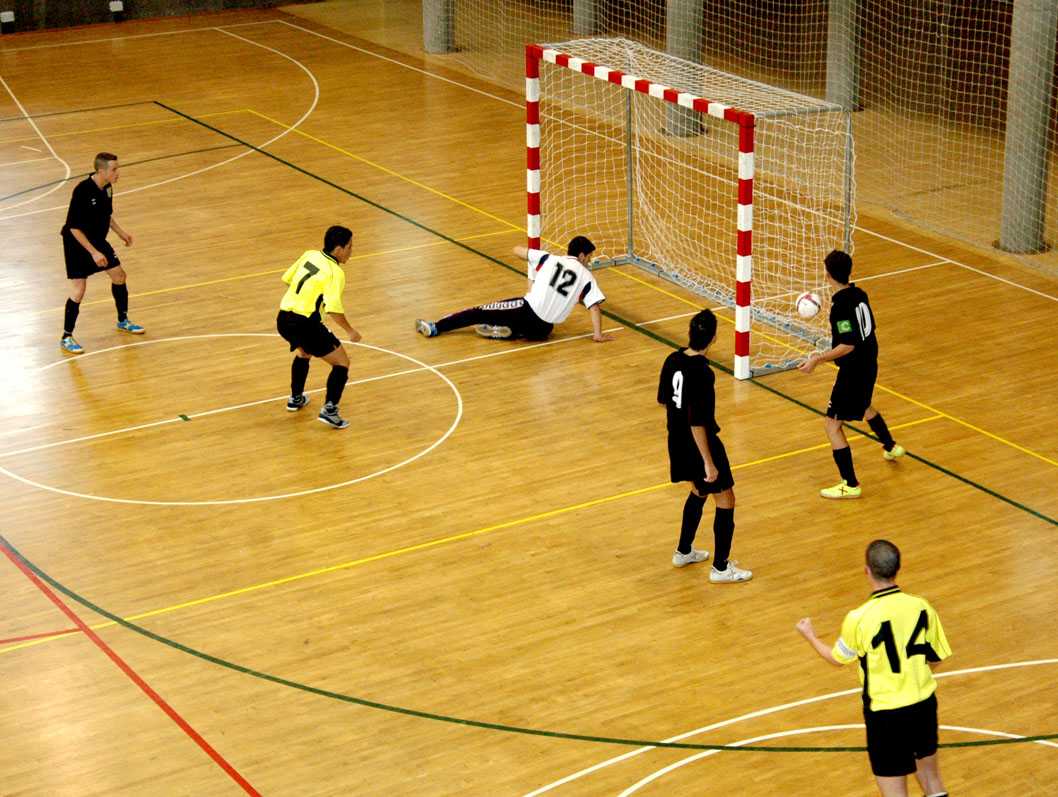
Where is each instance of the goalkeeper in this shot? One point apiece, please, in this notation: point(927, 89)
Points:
point(556, 285)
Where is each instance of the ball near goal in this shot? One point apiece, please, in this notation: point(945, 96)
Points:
point(808, 304)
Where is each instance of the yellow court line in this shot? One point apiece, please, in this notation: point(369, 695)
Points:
point(235, 277)
point(124, 127)
point(388, 171)
point(425, 545)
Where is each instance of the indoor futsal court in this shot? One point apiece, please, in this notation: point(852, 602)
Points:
point(469, 590)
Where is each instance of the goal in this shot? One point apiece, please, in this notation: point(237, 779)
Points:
point(731, 188)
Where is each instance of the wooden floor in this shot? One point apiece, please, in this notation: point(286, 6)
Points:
point(469, 591)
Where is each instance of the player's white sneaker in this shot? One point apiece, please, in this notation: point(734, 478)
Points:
point(895, 452)
point(730, 575)
point(692, 558)
point(428, 329)
point(329, 415)
point(493, 331)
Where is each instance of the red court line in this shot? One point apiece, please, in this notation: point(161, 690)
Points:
point(125, 668)
point(38, 636)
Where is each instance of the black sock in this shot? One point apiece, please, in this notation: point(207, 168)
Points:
point(692, 516)
point(70, 320)
point(843, 457)
point(723, 532)
point(299, 372)
point(877, 424)
point(336, 384)
point(121, 299)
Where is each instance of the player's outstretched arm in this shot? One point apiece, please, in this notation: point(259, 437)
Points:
point(815, 359)
point(522, 252)
point(804, 627)
point(343, 322)
point(596, 325)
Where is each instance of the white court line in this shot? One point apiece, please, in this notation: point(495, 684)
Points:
point(261, 498)
point(285, 130)
point(27, 160)
point(134, 36)
point(232, 407)
point(771, 710)
point(47, 143)
point(798, 732)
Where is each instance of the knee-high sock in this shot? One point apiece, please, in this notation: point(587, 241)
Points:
point(121, 299)
point(70, 319)
point(723, 532)
point(692, 516)
point(299, 372)
point(843, 458)
point(877, 424)
point(336, 384)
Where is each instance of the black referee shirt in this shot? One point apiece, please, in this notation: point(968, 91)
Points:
point(90, 211)
point(852, 322)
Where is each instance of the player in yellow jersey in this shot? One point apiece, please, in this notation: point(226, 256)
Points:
point(316, 282)
point(899, 641)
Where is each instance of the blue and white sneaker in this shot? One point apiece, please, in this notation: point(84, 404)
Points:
point(128, 326)
point(295, 403)
point(329, 415)
point(428, 329)
point(71, 346)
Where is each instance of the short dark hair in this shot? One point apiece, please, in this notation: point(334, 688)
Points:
point(336, 236)
point(580, 245)
point(883, 559)
point(702, 330)
point(102, 159)
point(839, 266)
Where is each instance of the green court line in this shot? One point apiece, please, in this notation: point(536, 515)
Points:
point(609, 314)
point(494, 726)
point(123, 166)
point(75, 110)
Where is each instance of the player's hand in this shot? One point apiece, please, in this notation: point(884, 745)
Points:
point(602, 337)
point(355, 336)
point(810, 364)
point(127, 238)
point(804, 626)
point(711, 473)
point(99, 258)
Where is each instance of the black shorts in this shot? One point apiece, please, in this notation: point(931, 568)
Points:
point(852, 393)
point(79, 264)
point(308, 334)
point(686, 464)
point(898, 737)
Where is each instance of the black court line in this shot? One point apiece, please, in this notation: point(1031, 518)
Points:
point(124, 165)
point(609, 314)
point(579, 737)
point(76, 110)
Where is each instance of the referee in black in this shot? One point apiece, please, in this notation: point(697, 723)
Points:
point(86, 250)
point(854, 348)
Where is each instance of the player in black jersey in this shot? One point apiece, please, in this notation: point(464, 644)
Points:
point(696, 455)
point(854, 347)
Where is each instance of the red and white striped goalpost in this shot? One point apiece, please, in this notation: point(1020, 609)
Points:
point(535, 53)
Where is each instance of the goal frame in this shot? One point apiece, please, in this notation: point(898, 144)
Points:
point(743, 200)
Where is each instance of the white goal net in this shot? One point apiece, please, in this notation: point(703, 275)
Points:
point(656, 184)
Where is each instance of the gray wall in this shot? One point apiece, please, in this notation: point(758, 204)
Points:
point(33, 14)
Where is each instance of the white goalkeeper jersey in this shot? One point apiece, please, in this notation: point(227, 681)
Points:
point(558, 284)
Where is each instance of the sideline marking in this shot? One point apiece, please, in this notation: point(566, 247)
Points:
point(131, 674)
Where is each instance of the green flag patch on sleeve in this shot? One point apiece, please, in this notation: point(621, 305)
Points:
point(844, 326)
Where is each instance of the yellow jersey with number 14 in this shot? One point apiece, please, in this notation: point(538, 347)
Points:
point(316, 284)
point(895, 636)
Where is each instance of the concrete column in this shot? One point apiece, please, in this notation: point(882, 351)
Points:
point(438, 26)
point(843, 54)
point(1025, 162)
point(684, 38)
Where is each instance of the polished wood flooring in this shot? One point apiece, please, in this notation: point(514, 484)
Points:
point(469, 590)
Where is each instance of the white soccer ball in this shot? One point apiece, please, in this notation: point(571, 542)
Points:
point(808, 304)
